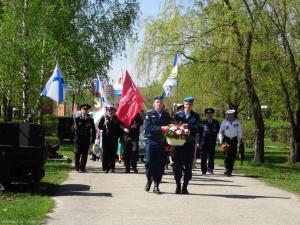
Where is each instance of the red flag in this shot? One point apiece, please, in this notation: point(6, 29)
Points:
point(130, 102)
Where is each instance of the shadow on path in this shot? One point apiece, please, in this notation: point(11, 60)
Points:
point(232, 196)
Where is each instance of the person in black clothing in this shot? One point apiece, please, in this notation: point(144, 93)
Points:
point(208, 141)
point(110, 125)
point(85, 134)
point(131, 143)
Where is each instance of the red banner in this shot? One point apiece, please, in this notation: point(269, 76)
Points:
point(130, 102)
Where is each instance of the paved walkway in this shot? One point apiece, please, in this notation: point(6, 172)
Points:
point(120, 199)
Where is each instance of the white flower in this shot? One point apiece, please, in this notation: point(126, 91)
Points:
point(172, 128)
point(178, 132)
point(186, 130)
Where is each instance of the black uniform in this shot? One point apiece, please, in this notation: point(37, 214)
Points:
point(131, 143)
point(111, 132)
point(85, 134)
point(208, 144)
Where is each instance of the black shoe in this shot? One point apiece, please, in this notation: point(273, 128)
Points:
point(113, 170)
point(203, 173)
point(184, 190)
point(148, 184)
point(227, 174)
point(76, 168)
point(156, 190)
point(106, 171)
point(135, 170)
point(127, 171)
point(178, 189)
point(82, 170)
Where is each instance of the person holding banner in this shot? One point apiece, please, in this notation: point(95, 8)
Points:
point(156, 120)
point(131, 143)
point(111, 132)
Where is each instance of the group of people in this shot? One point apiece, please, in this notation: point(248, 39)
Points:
point(203, 134)
point(111, 130)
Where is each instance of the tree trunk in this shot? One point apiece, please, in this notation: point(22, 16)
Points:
point(256, 107)
point(25, 73)
point(294, 156)
point(7, 109)
point(40, 102)
point(73, 104)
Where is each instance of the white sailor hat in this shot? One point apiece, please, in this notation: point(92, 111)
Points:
point(230, 111)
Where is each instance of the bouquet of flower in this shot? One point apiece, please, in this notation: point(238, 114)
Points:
point(176, 134)
point(224, 148)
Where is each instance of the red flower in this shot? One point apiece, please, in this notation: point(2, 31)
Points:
point(183, 134)
point(174, 132)
point(186, 126)
point(164, 131)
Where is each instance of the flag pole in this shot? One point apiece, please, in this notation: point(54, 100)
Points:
point(177, 79)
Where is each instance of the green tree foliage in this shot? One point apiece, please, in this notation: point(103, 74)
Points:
point(85, 34)
point(240, 54)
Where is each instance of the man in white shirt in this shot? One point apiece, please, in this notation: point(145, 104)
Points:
point(231, 134)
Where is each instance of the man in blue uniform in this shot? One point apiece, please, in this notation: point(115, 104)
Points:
point(85, 134)
point(184, 155)
point(156, 120)
point(208, 141)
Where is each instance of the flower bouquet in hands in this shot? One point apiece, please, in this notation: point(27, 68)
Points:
point(176, 135)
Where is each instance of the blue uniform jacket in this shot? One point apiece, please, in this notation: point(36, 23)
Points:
point(193, 121)
point(153, 124)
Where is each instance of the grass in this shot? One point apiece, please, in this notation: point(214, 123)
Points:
point(24, 206)
point(276, 170)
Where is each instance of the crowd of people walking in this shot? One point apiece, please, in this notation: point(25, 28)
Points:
point(119, 140)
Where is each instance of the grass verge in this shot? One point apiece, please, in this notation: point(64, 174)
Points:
point(276, 170)
point(27, 206)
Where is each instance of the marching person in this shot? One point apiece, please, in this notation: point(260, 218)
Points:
point(131, 143)
point(156, 120)
point(85, 134)
point(184, 155)
point(230, 133)
point(110, 126)
point(208, 141)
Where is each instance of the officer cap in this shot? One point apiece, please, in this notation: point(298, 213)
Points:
point(85, 106)
point(160, 98)
point(111, 107)
point(189, 99)
point(209, 110)
point(230, 111)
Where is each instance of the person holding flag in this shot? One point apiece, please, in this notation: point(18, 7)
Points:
point(129, 115)
point(111, 132)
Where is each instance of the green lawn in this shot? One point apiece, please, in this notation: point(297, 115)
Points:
point(31, 207)
point(275, 171)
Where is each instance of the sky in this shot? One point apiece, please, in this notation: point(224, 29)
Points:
point(119, 64)
point(148, 8)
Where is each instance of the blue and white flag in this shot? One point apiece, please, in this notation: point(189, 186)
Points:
point(103, 98)
point(171, 82)
point(103, 101)
point(55, 88)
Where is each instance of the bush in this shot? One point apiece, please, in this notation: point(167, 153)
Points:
point(50, 124)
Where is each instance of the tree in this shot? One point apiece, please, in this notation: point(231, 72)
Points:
point(86, 35)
